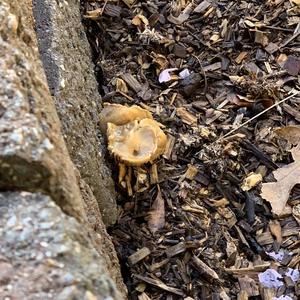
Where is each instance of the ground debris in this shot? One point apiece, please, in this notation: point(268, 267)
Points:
point(213, 73)
point(138, 256)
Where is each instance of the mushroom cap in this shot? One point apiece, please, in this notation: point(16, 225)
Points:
point(119, 114)
point(136, 142)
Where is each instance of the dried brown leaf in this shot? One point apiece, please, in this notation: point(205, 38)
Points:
point(156, 217)
point(277, 193)
point(297, 2)
point(290, 133)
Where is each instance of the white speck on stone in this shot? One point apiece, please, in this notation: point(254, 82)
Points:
point(62, 83)
point(12, 23)
point(48, 253)
point(11, 221)
point(44, 244)
point(47, 144)
point(270, 279)
point(17, 137)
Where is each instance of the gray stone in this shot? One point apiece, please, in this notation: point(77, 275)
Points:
point(70, 266)
point(33, 154)
point(66, 57)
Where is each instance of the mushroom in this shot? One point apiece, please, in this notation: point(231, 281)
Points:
point(120, 115)
point(137, 142)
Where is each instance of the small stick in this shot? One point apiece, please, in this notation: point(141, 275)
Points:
point(296, 33)
point(203, 73)
point(103, 7)
point(256, 116)
point(125, 95)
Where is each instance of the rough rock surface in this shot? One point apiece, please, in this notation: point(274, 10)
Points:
point(46, 254)
point(33, 154)
point(67, 62)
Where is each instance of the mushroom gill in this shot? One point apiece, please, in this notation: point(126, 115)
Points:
point(137, 142)
point(119, 115)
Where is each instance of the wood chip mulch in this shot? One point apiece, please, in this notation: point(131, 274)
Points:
point(229, 61)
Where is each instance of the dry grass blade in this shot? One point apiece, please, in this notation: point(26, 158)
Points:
point(258, 115)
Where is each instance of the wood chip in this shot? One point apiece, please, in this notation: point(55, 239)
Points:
point(159, 284)
point(176, 249)
point(248, 285)
point(212, 67)
point(202, 6)
point(186, 116)
point(191, 172)
point(132, 82)
point(204, 269)
point(138, 256)
point(266, 237)
point(158, 265)
point(169, 146)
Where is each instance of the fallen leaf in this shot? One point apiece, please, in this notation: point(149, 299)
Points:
point(277, 193)
point(297, 2)
point(290, 133)
point(156, 217)
point(238, 100)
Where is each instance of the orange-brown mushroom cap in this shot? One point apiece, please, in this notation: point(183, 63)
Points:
point(119, 114)
point(136, 142)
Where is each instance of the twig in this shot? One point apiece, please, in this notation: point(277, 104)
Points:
point(203, 73)
point(256, 116)
point(296, 33)
point(125, 95)
point(103, 7)
point(277, 28)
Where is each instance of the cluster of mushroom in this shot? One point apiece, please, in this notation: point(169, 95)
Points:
point(134, 137)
